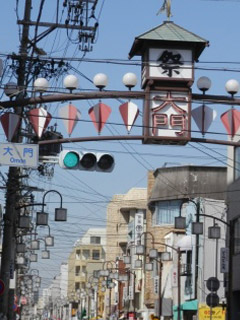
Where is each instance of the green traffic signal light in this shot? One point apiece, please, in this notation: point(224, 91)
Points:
point(90, 161)
point(71, 160)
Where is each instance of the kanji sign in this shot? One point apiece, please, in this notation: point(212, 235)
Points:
point(139, 217)
point(156, 284)
point(170, 63)
point(19, 155)
point(168, 115)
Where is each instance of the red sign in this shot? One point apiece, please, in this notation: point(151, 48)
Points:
point(23, 300)
point(131, 315)
point(2, 287)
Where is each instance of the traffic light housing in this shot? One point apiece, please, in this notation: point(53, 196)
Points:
point(84, 160)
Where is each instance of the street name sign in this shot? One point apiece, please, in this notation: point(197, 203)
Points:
point(19, 155)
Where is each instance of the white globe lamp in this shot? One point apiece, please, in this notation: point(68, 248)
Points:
point(129, 80)
point(70, 82)
point(11, 89)
point(100, 80)
point(204, 84)
point(232, 86)
point(40, 85)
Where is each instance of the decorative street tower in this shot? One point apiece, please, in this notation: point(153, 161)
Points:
point(168, 54)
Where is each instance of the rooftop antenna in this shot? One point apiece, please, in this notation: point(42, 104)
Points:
point(167, 8)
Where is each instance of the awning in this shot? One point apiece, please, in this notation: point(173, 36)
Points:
point(190, 305)
point(187, 305)
point(185, 244)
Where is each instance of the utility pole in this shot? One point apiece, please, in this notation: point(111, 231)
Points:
point(13, 186)
point(13, 192)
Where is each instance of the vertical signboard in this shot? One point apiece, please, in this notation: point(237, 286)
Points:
point(224, 260)
point(174, 277)
point(139, 219)
point(116, 298)
point(169, 116)
point(156, 285)
point(130, 295)
point(125, 294)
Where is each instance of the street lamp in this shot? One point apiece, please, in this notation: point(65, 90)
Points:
point(60, 213)
point(100, 81)
point(11, 89)
point(70, 82)
point(232, 87)
point(204, 84)
point(35, 244)
point(130, 80)
point(138, 263)
point(33, 257)
point(40, 85)
point(165, 256)
point(214, 232)
point(49, 240)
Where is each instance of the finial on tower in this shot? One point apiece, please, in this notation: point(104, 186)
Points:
point(166, 7)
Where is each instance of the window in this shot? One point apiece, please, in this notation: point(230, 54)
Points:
point(84, 269)
point(95, 240)
point(86, 254)
point(77, 285)
point(96, 255)
point(77, 271)
point(166, 211)
point(237, 236)
point(83, 285)
point(78, 254)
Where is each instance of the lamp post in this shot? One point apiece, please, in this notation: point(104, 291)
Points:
point(214, 233)
point(60, 213)
point(153, 253)
point(107, 267)
point(180, 223)
point(178, 251)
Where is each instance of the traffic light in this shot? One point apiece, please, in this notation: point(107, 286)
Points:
point(74, 160)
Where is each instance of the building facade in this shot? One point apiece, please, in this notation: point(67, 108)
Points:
point(146, 218)
point(126, 220)
point(198, 194)
point(88, 254)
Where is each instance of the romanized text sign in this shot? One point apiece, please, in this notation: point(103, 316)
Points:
point(19, 155)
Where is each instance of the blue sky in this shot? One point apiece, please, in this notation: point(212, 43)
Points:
point(86, 194)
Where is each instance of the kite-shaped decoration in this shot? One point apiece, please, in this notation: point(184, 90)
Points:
point(231, 121)
point(10, 123)
point(70, 116)
point(39, 119)
point(99, 115)
point(129, 112)
point(204, 116)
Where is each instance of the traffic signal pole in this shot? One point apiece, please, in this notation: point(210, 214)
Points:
point(13, 192)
